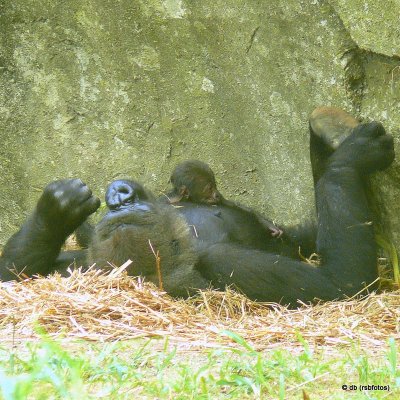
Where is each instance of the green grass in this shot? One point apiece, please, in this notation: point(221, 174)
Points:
point(156, 369)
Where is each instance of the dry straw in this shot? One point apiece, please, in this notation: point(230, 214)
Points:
point(99, 305)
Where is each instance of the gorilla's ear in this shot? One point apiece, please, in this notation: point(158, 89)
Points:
point(184, 192)
point(181, 194)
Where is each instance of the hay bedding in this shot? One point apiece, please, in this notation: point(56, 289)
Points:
point(98, 305)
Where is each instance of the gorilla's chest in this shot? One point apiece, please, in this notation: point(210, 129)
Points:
point(216, 224)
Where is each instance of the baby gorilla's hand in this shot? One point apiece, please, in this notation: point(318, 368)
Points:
point(64, 205)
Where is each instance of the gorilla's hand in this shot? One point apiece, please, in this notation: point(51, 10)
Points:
point(64, 205)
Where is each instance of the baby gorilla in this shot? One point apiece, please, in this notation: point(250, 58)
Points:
point(215, 219)
point(138, 228)
point(197, 198)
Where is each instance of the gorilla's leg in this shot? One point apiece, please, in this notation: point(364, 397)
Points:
point(63, 206)
point(299, 240)
point(345, 232)
point(329, 127)
point(345, 238)
point(265, 276)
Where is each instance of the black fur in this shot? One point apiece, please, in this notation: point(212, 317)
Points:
point(219, 243)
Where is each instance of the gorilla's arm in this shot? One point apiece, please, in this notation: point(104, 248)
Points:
point(63, 206)
point(84, 234)
point(269, 226)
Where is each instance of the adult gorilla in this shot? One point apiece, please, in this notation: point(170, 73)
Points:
point(345, 237)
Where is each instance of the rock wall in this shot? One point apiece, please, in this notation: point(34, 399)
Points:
point(103, 89)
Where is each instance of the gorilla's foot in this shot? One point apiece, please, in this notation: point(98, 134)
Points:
point(331, 125)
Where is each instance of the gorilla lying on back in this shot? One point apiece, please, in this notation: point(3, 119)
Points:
point(344, 237)
point(135, 227)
